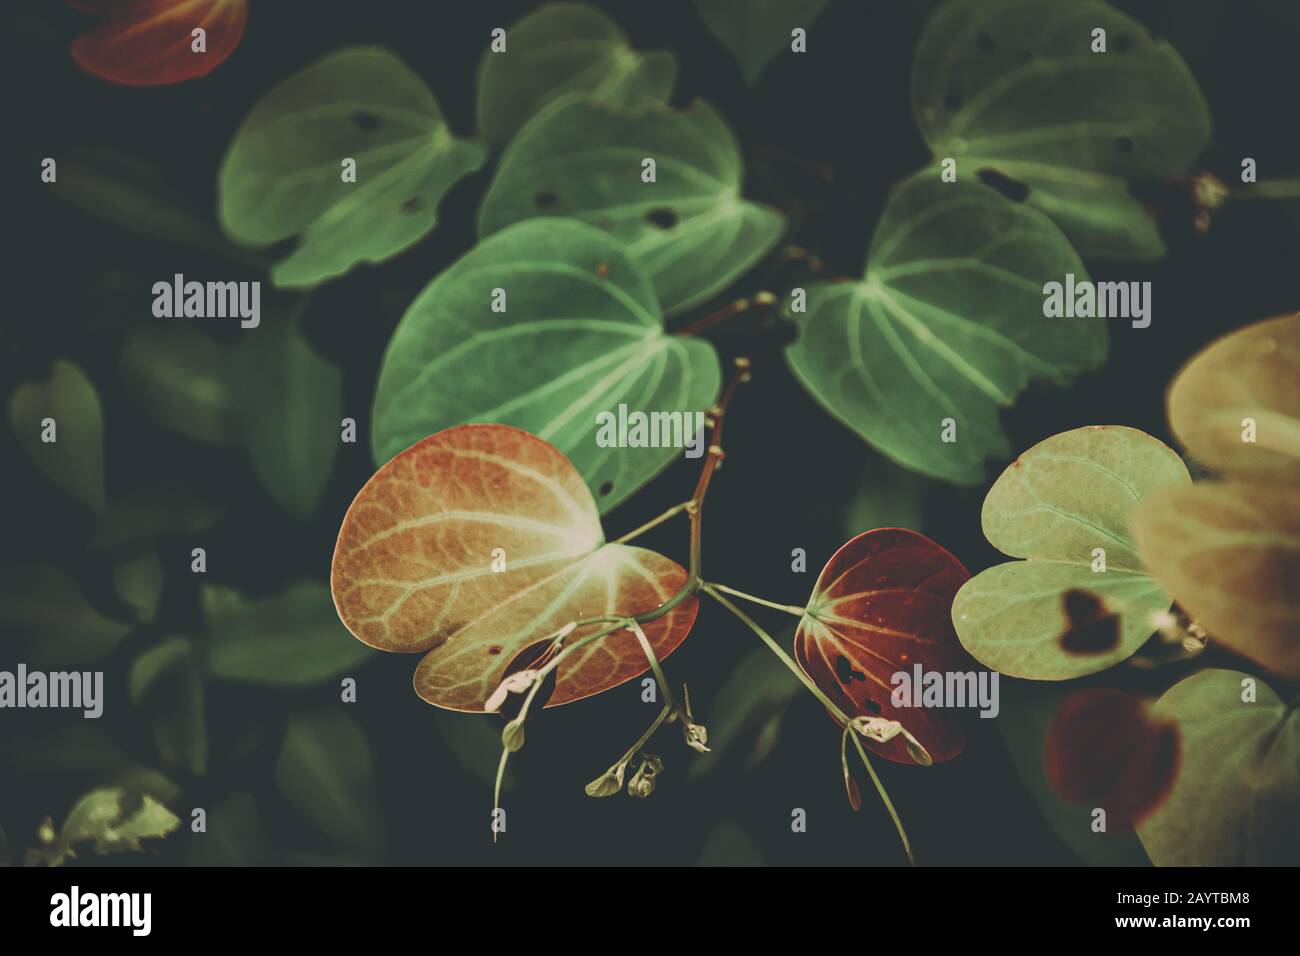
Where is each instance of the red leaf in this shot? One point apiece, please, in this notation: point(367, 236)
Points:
point(414, 568)
point(148, 42)
point(1104, 750)
point(883, 604)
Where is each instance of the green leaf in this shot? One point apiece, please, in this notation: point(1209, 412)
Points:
point(288, 409)
point(1243, 385)
point(757, 31)
point(947, 324)
point(325, 771)
point(1055, 506)
point(74, 460)
point(83, 752)
point(690, 231)
point(168, 681)
point(179, 379)
point(1234, 800)
point(235, 835)
point(581, 334)
point(283, 174)
point(1013, 86)
point(139, 582)
point(169, 507)
point(1230, 555)
point(45, 622)
point(565, 48)
point(291, 639)
point(101, 817)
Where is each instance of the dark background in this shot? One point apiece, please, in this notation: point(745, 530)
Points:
point(824, 136)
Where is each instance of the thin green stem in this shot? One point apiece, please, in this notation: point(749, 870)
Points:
point(787, 608)
point(653, 523)
point(884, 797)
point(655, 666)
point(1269, 189)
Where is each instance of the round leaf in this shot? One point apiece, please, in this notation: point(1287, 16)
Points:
point(882, 606)
point(947, 324)
point(1230, 555)
point(1234, 801)
point(75, 459)
point(564, 48)
point(1052, 616)
point(413, 569)
point(1014, 86)
point(283, 174)
point(1236, 404)
point(581, 334)
point(689, 231)
point(151, 43)
point(755, 32)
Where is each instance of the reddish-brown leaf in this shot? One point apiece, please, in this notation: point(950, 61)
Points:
point(883, 604)
point(149, 42)
point(413, 568)
point(1105, 750)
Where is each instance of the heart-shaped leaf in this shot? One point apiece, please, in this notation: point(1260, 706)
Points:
point(1236, 404)
point(1082, 599)
point(1230, 555)
point(881, 607)
point(1105, 750)
point(288, 406)
point(290, 639)
point(286, 171)
point(151, 42)
point(564, 48)
point(481, 541)
point(1014, 86)
point(580, 334)
point(1234, 801)
point(689, 230)
point(946, 328)
point(73, 458)
point(756, 31)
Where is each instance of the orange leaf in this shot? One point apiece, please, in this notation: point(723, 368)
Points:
point(414, 568)
point(149, 42)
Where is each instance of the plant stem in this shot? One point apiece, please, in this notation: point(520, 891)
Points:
point(1269, 189)
point(655, 666)
point(726, 312)
point(884, 797)
point(788, 608)
point(714, 458)
point(653, 523)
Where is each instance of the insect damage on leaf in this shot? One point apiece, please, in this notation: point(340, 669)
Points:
point(1092, 629)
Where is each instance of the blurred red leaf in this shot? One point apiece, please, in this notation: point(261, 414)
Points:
point(1105, 750)
point(148, 42)
point(417, 568)
point(883, 604)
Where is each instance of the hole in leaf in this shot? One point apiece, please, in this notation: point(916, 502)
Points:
point(1092, 629)
point(845, 672)
point(606, 487)
point(664, 218)
point(1012, 189)
point(531, 656)
point(1125, 144)
point(546, 200)
point(366, 121)
point(413, 205)
point(872, 705)
point(953, 102)
point(494, 649)
point(985, 43)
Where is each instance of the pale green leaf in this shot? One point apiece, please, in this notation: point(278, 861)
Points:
point(325, 771)
point(1056, 506)
point(947, 324)
point(564, 48)
point(757, 31)
point(102, 818)
point(290, 639)
point(690, 231)
point(288, 410)
point(74, 460)
point(1234, 799)
point(581, 334)
point(283, 173)
point(139, 582)
point(1013, 86)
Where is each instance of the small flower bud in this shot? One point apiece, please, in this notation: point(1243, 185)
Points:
point(696, 735)
point(608, 783)
point(642, 783)
point(512, 735)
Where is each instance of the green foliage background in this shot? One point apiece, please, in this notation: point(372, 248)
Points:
point(282, 774)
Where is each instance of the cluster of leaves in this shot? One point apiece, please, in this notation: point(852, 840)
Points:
point(1109, 530)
